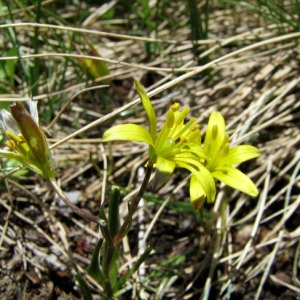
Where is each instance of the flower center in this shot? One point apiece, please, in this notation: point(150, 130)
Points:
point(174, 134)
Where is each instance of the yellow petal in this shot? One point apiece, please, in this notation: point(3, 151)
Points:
point(127, 132)
point(239, 154)
point(195, 149)
point(164, 169)
point(197, 194)
point(203, 176)
point(215, 135)
point(148, 108)
point(236, 179)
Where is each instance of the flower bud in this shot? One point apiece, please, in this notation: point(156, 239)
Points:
point(29, 142)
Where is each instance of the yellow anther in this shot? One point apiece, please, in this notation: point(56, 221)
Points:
point(183, 139)
point(182, 115)
point(175, 106)
point(10, 144)
point(170, 118)
point(195, 127)
point(194, 136)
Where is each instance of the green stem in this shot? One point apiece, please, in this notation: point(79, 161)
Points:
point(107, 258)
point(133, 205)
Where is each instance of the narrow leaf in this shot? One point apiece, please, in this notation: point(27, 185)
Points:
point(94, 267)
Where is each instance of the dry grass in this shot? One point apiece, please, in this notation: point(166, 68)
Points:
point(238, 248)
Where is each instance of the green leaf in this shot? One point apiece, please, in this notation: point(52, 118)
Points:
point(113, 215)
point(84, 287)
point(10, 66)
point(94, 267)
point(4, 104)
point(135, 267)
point(113, 223)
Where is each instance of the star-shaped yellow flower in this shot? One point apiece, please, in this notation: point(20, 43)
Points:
point(176, 145)
point(220, 158)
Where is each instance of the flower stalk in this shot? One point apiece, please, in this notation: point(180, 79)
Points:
point(133, 205)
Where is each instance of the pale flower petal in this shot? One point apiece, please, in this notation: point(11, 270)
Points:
point(7, 122)
point(33, 110)
point(10, 155)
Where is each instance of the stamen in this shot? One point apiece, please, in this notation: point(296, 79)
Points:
point(11, 144)
point(170, 118)
point(184, 139)
point(195, 127)
point(182, 115)
point(175, 106)
point(194, 135)
point(185, 128)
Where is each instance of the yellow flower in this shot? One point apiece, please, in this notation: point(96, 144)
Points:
point(220, 158)
point(26, 139)
point(176, 145)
